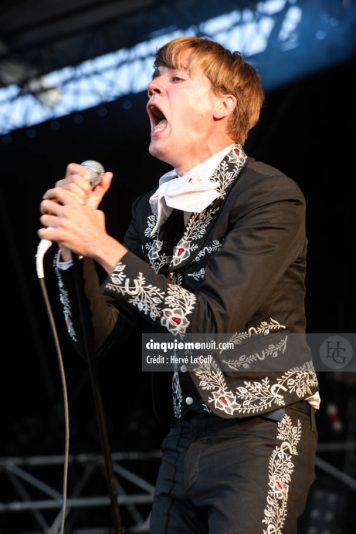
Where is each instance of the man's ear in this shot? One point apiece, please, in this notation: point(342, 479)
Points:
point(225, 106)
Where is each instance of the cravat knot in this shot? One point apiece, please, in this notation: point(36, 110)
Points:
point(187, 193)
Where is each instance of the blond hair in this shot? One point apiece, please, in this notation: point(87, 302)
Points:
point(228, 73)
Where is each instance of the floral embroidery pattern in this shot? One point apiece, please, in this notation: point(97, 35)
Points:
point(198, 275)
point(147, 298)
point(177, 395)
point(182, 251)
point(244, 361)
point(154, 246)
point(64, 298)
point(208, 250)
point(195, 229)
point(264, 328)
point(258, 396)
point(280, 470)
point(176, 277)
point(151, 223)
point(254, 396)
point(171, 307)
point(197, 224)
point(181, 303)
point(300, 380)
point(211, 378)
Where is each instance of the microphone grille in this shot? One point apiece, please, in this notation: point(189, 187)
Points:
point(95, 170)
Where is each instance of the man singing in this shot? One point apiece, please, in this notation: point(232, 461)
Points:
point(218, 247)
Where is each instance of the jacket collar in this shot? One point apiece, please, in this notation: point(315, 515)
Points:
point(159, 246)
point(199, 224)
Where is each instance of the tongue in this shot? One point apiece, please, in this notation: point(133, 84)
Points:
point(162, 125)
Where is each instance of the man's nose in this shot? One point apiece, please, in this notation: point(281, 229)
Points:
point(156, 86)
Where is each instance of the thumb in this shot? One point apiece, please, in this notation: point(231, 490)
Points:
point(105, 182)
point(99, 191)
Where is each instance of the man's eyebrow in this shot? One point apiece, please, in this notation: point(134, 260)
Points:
point(182, 69)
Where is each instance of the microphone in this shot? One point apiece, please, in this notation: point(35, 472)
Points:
point(95, 171)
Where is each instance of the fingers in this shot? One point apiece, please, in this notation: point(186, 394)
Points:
point(51, 206)
point(49, 221)
point(80, 175)
point(79, 170)
point(61, 196)
point(106, 181)
point(76, 183)
point(80, 231)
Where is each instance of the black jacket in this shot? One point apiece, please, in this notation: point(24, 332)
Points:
point(238, 269)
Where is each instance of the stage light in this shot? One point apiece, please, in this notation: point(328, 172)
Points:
point(284, 39)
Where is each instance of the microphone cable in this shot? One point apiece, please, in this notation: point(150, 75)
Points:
point(41, 251)
point(43, 247)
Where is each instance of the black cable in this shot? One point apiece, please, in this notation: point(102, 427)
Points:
point(42, 249)
point(65, 401)
point(101, 420)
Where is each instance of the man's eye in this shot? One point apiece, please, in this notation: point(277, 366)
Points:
point(177, 79)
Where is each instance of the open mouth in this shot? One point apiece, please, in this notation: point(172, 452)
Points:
point(158, 118)
point(156, 114)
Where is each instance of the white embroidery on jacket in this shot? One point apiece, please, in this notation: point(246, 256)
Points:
point(273, 350)
point(171, 307)
point(197, 224)
point(67, 312)
point(176, 277)
point(198, 275)
point(215, 245)
point(154, 246)
point(264, 328)
point(177, 395)
point(254, 396)
point(195, 229)
point(212, 379)
point(151, 223)
point(180, 303)
point(300, 379)
point(280, 470)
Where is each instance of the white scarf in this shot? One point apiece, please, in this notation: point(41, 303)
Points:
point(192, 192)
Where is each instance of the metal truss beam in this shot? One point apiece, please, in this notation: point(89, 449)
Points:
point(127, 69)
point(34, 485)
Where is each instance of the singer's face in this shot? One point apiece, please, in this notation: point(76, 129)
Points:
point(180, 108)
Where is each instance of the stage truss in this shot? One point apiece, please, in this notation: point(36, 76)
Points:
point(31, 490)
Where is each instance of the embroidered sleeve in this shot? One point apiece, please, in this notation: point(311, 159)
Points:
point(136, 285)
point(103, 315)
point(65, 302)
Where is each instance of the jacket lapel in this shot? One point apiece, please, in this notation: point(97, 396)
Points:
point(185, 242)
point(199, 224)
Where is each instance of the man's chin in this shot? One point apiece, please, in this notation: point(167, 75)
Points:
point(156, 149)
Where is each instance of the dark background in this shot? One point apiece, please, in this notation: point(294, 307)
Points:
point(306, 130)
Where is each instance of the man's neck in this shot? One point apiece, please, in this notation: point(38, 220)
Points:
point(212, 147)
point(217, 155)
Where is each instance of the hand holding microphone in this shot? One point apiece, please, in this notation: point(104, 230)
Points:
point(69, 210)
point(87, 181)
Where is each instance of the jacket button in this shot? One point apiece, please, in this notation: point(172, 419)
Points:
point(189, 401)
